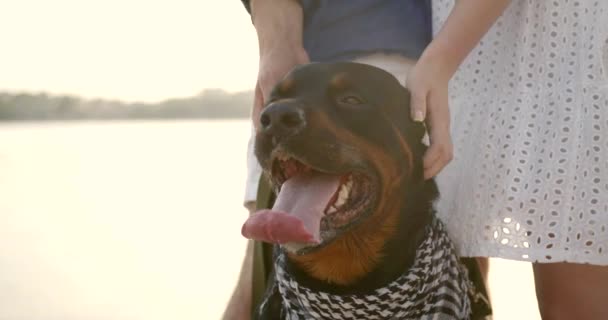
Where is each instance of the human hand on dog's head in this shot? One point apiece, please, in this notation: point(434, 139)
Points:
point(427, 82)
point(336, 143)
point(278, 26)
point(275, 63)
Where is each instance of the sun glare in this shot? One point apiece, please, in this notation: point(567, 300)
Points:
point(130, 49)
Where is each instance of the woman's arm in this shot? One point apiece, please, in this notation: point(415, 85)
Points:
point(465, 26)
point(428, 80)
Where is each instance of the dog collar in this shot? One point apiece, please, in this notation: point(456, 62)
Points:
point(436, 286)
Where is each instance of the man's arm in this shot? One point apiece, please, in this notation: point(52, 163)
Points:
point(278, 26)
point(279, 29)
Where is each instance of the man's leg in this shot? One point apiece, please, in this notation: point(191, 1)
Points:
point(239, 306)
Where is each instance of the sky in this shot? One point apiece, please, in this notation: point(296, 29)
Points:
point(133, 50)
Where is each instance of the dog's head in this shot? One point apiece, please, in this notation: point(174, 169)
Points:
point(338, 141)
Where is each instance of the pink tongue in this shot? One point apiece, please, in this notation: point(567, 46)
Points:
point(297, 212)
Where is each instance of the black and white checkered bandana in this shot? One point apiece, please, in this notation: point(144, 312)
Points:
point(434, 288)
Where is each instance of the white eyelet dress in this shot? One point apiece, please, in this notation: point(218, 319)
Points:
point(529, 106)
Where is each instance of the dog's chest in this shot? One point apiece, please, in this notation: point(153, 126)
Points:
point(435, 287)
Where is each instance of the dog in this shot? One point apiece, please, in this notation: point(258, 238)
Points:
point(353, 226)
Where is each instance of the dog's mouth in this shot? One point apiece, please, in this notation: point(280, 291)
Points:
point(313, 205)
point(349, 199)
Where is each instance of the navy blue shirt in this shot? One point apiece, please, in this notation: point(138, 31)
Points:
point(345, 29)
point(336, 30)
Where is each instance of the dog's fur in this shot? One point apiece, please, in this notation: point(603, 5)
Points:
point(351, 118)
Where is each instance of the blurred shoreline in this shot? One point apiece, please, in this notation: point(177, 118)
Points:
point(209, 104)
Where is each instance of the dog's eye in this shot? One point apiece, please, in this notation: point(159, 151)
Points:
point(351, 100)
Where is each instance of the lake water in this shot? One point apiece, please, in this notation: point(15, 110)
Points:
point(139, 220)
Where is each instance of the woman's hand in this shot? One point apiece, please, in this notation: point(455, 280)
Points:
point(428, 79)
point(429, 90)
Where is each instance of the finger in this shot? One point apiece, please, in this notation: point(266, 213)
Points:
point(269, 79)
point(431, 155)
point(434, 169)
point(418, 104)
point(439, 154)
point(438, 128)
point(258, 104)
point(267, 86)
point(434, 166)
point(440, 151)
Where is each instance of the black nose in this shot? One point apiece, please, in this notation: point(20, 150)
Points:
point(282, 119)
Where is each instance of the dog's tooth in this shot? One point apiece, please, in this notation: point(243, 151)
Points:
point(342, 196)
point(349, 185)
point(341, 200)
point(349, 181)
point(344, 188)
point(331, 209)
point(344, 191)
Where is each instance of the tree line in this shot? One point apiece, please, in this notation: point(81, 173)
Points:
point(209, 104)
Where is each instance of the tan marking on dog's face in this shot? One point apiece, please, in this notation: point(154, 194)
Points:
point(339, 81)
point(286, 85)
point(358, 251)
